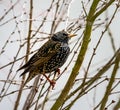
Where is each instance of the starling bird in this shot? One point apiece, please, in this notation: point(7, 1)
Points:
point(50, 57)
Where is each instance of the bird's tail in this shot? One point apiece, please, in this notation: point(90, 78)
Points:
point(31, 76)
point(25, 71)
point(24, 66)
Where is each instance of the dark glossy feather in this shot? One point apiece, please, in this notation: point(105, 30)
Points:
point(48, 50)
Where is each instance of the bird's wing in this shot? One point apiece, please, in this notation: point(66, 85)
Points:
point(48, 50)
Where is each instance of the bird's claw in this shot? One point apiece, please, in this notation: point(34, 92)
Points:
point(58, 71)
point(52, 83)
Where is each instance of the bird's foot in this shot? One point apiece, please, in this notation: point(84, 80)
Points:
point(52, 82)
point(58, 71)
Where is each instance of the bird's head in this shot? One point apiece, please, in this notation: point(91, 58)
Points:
point(62, 36)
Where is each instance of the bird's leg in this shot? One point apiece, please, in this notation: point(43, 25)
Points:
point(52, 83)
point(58, 71)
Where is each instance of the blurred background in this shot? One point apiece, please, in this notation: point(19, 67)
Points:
point(25, 25)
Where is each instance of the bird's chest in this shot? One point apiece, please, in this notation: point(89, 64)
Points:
point(62, 54)
point(58, 59)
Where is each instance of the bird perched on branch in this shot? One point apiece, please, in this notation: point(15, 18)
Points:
point(50, 57)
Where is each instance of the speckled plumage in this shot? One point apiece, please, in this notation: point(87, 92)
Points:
point(51, 56)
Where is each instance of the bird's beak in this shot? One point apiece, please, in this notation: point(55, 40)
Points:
point(72, 35)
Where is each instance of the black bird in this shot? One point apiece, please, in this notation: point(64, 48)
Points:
point(50, 57)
